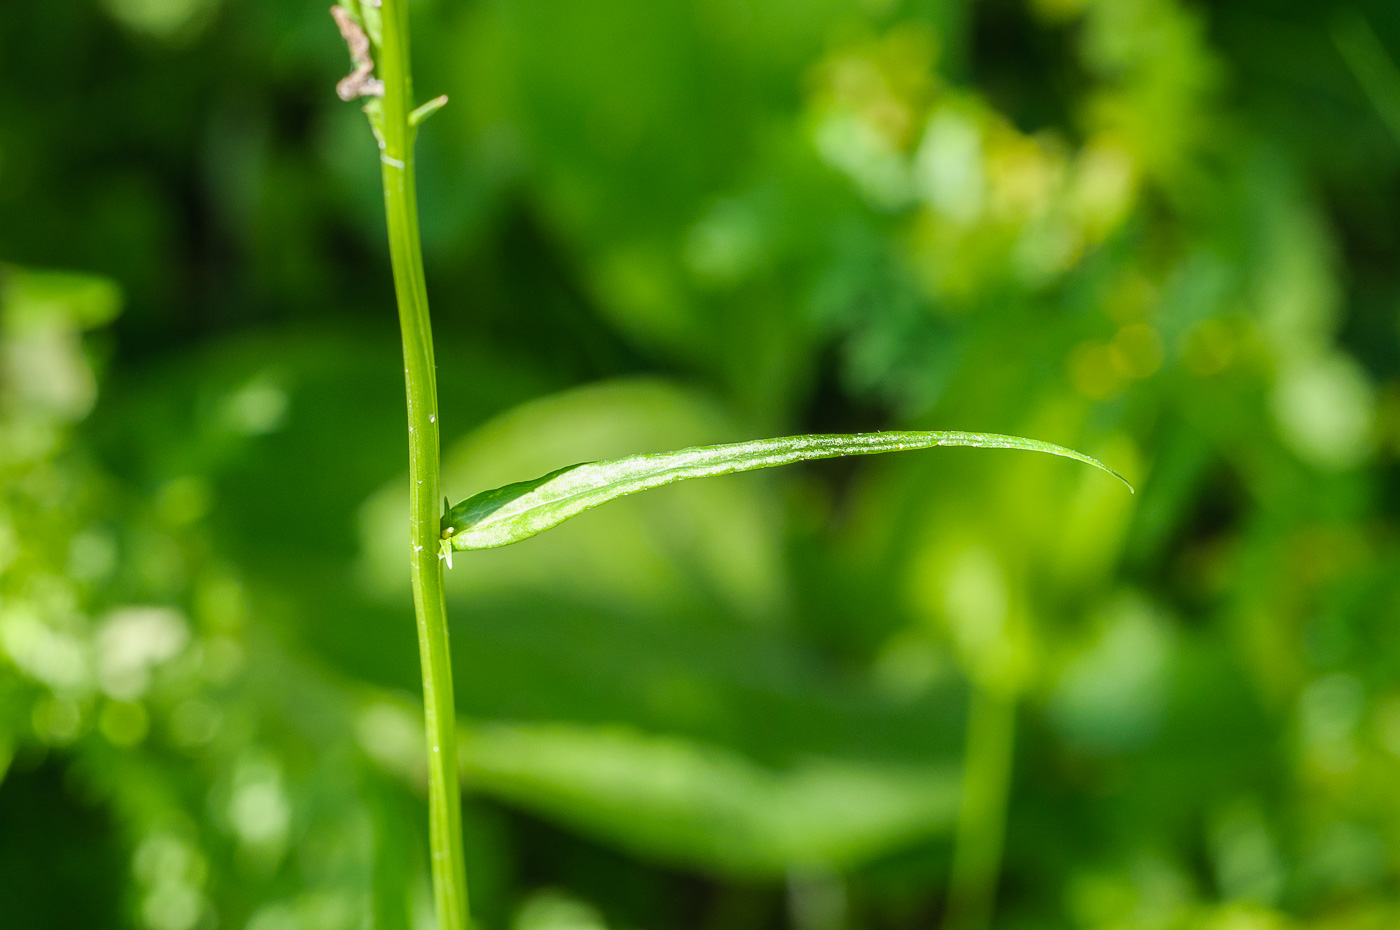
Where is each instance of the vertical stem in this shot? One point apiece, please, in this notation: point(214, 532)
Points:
point(991, 733)
point(420, 379)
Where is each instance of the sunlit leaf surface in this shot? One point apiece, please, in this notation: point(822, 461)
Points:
point(518, 511)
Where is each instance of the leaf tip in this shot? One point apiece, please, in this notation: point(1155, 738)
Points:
point(426, 110)
point(1115, 473)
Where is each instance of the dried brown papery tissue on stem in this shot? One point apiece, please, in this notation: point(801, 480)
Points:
point(361, 82)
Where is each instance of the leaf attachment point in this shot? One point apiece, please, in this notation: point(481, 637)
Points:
point(518, 511)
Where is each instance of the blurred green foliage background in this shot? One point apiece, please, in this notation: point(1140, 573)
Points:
point(1163, 232)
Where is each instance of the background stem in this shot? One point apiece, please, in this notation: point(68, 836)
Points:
point(401, 208)
point(991, 734)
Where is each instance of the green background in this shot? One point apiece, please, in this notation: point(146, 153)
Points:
point(1165, 233)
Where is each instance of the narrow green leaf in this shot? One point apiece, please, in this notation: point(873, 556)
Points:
point(518, 511)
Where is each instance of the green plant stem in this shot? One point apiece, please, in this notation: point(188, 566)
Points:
point(401, 208)
point(991, 735)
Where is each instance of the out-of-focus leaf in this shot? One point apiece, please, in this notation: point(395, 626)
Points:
point(87, 301)
point(702, 805)
point(518, 511)
point(1374, 69)
point(684, 801)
